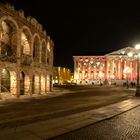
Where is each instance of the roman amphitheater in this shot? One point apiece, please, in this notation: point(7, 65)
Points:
point(26, 55)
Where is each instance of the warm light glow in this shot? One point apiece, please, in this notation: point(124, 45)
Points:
point(27, 84)
point(127, 70)
point(83, 71)
point(48, 46)
point(13, 82)
point(76, 76)
point(36, 84)
point(98, 63)
point(112, 76)
point(137, 47)
point(78, 69)
point(42, 84)
point(130, 54)
point(25, 44)
point(91, 62)
point(122, 52)
point(48, 83)
point(101, 74)
point(3, 70)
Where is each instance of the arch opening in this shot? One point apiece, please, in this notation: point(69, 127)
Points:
point(36, 49)
point(8, 41)
point(5, 80)
point(22, 81)
point(26, 47)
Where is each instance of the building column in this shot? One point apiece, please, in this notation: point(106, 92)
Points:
point(131, 70)
point(0, 37)
point(51, 56)
point(0, 79)
point(40, 54)
point(18, 71)
point(75, 73)
point(116, 69)
point(31, 85)
point(134, 69)
point(18, 83)
point(40, 84)
point(32, 48)
point(119, 69)
point(51, 85)
point(45, 84)
point(107, 73)
point(113, 70)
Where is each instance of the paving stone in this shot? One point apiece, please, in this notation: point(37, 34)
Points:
point(51, 128)
point(23, 135)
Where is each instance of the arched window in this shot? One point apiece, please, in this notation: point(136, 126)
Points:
point(26, 46)
point(25, 43)
point(36, 49)
point(5, 80)
point(8, 38)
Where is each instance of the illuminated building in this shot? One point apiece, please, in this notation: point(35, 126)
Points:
point(62, 75)
point(26, 55)
point(117, 67)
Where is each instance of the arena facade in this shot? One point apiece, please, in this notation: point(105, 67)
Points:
point(26, 55)
point(117, 67)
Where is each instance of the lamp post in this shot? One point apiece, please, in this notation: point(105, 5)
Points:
point(137, 47)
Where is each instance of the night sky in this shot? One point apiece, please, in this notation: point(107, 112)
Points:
point(85, 27)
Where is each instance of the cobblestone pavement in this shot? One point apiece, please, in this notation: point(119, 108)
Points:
point(122, 127)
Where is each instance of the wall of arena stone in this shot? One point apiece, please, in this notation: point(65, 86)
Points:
point(26, 55)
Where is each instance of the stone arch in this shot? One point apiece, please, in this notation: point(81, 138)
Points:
point(8, 38)
point(26, 40)
point(13, 82)
point(25, 83)
point(10, 19)
point(5, 80)
point(43, 83)
point(36, 47)
point(43, 51)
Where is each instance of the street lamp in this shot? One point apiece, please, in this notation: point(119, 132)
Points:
point(137, 47)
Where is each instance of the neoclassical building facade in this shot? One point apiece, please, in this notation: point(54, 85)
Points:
point(26, 55)
point(117, 66)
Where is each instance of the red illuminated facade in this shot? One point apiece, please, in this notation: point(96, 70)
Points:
point(117, 66)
